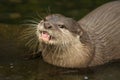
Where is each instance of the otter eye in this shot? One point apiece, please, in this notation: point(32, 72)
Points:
point(61, 26)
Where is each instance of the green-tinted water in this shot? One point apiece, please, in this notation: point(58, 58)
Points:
point(15, 11)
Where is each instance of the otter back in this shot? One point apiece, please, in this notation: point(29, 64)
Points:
point(103, 27)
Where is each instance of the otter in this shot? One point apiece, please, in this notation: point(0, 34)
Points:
point(93, 40)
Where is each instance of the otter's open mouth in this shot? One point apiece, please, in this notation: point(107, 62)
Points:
point(45, 36)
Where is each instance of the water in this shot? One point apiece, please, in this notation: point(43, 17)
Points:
point(14, 67)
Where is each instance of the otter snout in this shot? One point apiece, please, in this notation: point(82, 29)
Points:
point(47, 25)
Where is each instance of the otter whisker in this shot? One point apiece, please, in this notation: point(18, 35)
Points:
point(27, 37)
point(30, 24)
point(28, 32)
point(37, 13)
point(32, 21)
point(29, 42)
point(35, 44)
point(48, 10)
point(36, 19)
point(32, 45)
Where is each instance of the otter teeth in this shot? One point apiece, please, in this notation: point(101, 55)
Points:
point(45, 36)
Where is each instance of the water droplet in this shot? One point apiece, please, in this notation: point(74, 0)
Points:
point(85, 77)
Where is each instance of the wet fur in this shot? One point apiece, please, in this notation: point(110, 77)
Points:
point(94, 40)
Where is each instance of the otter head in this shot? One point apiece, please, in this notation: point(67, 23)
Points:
point(58, 29)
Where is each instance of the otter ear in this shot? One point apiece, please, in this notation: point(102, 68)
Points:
point(84, 38)
point(80, 32)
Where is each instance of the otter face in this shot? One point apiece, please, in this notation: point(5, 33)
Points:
point(57, 29)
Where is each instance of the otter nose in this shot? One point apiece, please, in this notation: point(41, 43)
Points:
point(47, 26)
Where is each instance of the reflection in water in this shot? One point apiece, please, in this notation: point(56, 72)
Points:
point(14, 67)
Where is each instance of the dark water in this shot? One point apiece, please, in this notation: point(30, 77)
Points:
point(14, 67)
point(14, 11)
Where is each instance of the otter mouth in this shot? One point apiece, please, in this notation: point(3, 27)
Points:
point(45, 36)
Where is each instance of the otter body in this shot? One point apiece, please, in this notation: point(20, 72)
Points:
point(94, 40)
point(103, 26)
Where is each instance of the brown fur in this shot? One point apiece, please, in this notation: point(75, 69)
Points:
point(94, 40)
point(103, 27)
